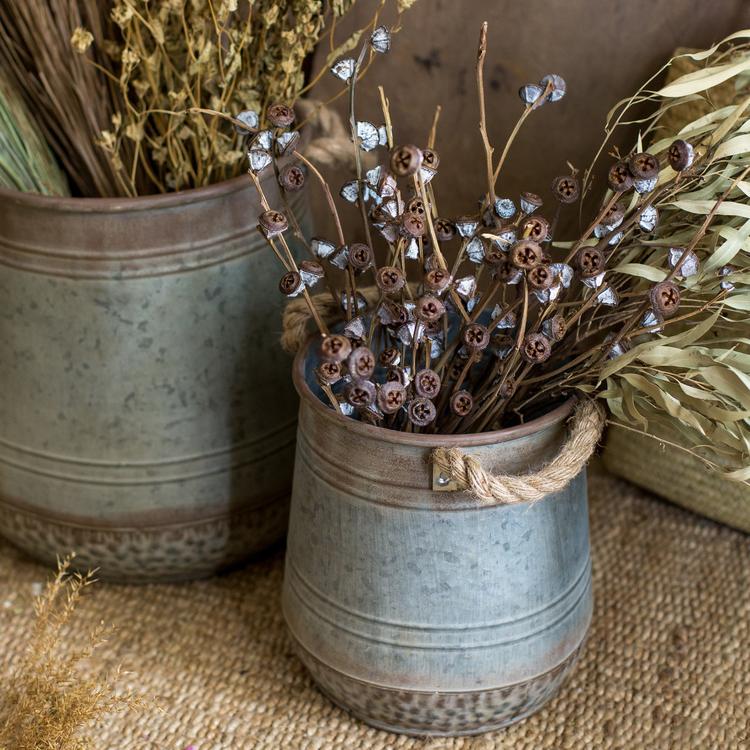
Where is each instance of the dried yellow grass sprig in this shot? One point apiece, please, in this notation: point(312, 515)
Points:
point(181, 60)
point(48, 702)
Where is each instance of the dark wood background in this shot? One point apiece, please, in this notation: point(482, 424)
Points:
point(604, 50)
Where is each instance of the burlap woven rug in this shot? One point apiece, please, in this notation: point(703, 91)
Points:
point(667, 664)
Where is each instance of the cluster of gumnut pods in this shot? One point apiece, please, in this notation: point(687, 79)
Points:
point(409, 327)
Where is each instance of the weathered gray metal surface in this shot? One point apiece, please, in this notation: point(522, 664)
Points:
point(146, 415)
point(422, 611)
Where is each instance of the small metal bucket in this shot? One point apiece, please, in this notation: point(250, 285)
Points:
point(427, 612)
point(146, 416)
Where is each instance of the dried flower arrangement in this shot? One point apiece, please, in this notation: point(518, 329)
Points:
point(518, 319)
point(132, 112)
point(48, 702)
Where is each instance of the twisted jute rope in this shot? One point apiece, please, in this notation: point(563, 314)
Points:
point(586, 428)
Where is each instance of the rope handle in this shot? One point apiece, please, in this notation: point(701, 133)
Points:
point(454, 470)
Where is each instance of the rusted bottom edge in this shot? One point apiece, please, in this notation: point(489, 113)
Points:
point(436, 713)
point(157, 553)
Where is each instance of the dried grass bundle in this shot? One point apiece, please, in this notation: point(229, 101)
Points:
point(127, 91)
point(692, 381)
point(70, 99)
point(26, 162)
point(47, 702)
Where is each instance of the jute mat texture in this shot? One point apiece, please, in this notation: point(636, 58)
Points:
point(666, 666)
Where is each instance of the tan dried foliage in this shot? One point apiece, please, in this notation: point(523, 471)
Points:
point(127, 91)
point(48, 702)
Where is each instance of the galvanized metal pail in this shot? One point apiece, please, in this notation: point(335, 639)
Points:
point(428, 612)
point(146, 416)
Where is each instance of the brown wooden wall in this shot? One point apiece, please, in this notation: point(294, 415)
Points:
point(603, 49)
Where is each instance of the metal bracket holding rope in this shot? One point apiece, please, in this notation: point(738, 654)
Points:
point(455, 471)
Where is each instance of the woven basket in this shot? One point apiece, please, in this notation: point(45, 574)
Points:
point(677, 476)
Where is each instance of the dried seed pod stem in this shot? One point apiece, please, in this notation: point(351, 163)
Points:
point(483, 114)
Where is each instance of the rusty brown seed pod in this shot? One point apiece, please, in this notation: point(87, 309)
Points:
point(475, 336)
point(280, 115)
point(427, 383)
point(273, 222)
point(335, 348)
point(429, 308)
point(494, 256)
point(505, 270)
point(680, 155)
point(556, 328)
point(416, 206)
point(430, 158)
point(391, 397)
point(614, 215)
point(413, 225)
point(461, 403)
point(397, 375)
point(329, 373)
point(526, 254)
point(421, 411)
point(390, 356)
point(508, 388)
point(361, 363)
point(536, 348)
point(360, 256)
point(530, 202)
point(644, 166)
point(405, 160)
point(445, 230)
point(566, 188)
point(290, 283)
point(535, 228)
point(389, 279)
point(292, 178)
point(437, 280)
point(540, 278)
point(360, 393)
point(665, 298)
point(619, 177)
point(590, 261)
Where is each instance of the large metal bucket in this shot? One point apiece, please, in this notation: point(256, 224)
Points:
point(146, 415)
point(428, 612)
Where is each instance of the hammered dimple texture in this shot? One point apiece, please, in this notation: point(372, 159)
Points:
point(435, 713)
point(665, 666)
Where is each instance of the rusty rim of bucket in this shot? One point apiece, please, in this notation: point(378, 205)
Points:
point(556, 416)
point(137, 203)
